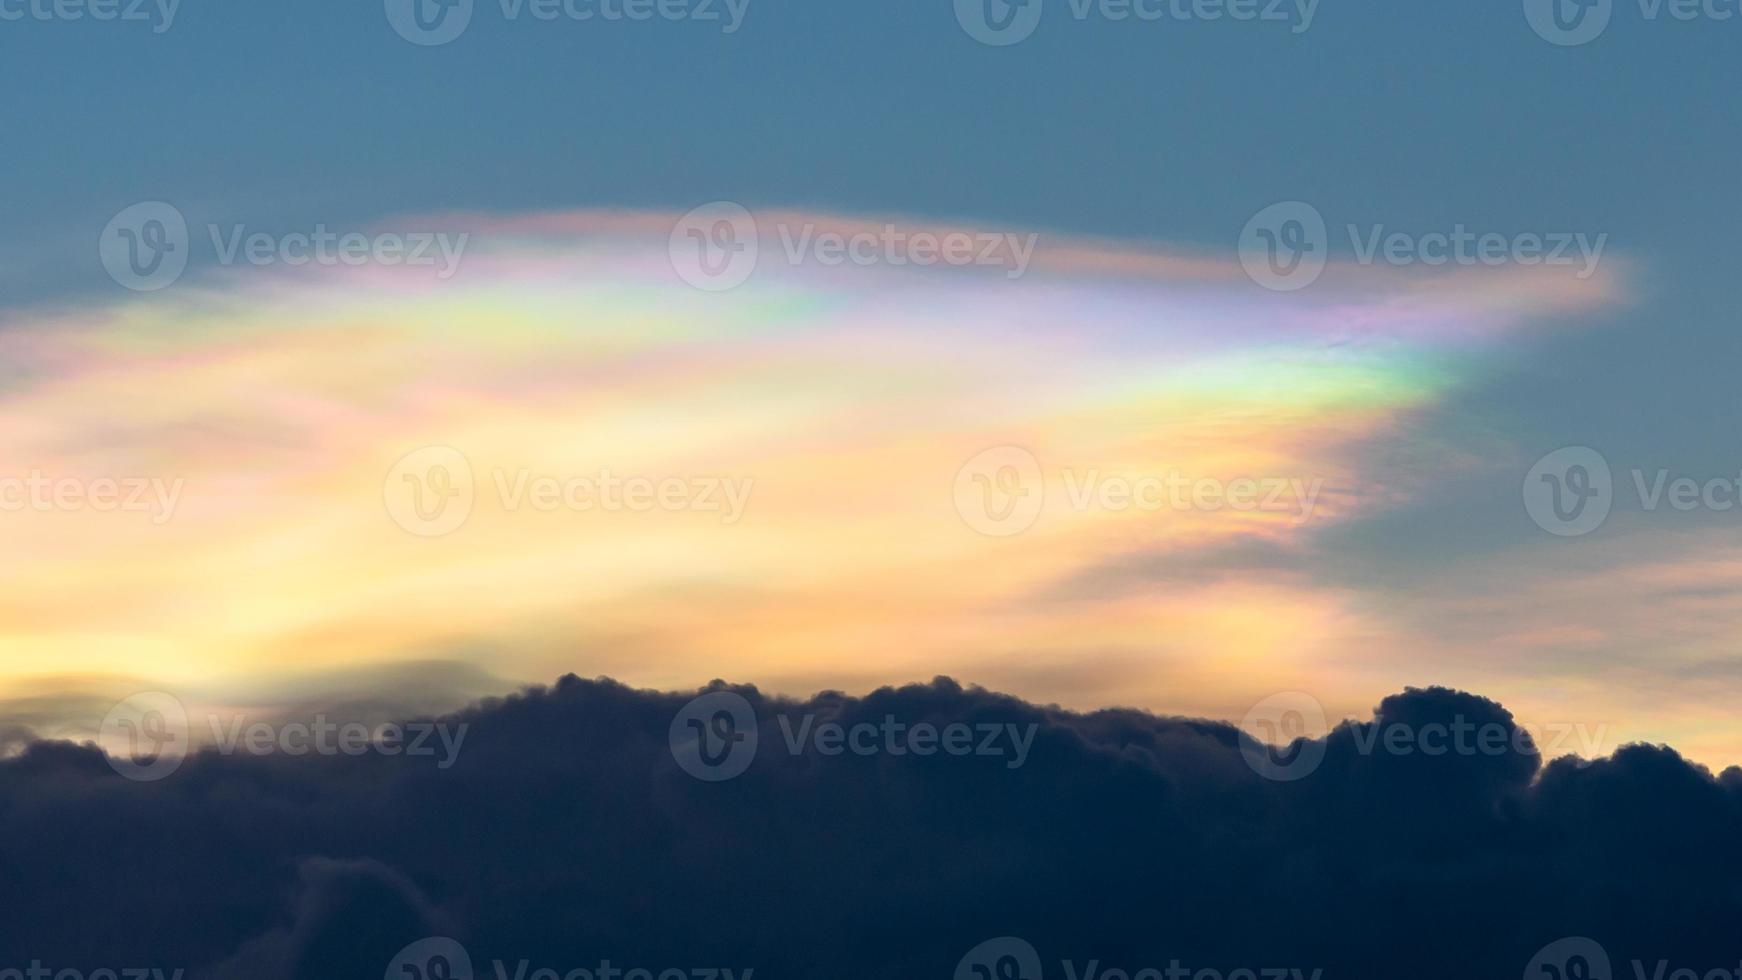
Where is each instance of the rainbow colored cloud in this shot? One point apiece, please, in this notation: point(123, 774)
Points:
point(847, 404)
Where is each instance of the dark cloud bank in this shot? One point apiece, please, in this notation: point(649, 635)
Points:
point(565, 833)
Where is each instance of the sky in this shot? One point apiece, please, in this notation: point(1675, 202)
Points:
point(1128, 460)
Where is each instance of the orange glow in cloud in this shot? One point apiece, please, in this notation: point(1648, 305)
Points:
point(803, 439)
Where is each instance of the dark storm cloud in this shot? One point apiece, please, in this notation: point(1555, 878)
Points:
point(567, 833)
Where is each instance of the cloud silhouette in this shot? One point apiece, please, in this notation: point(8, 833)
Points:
point(567, 833)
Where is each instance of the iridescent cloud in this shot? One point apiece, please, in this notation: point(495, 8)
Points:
point(1148, 403)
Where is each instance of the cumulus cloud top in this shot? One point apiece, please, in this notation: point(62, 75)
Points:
point(566, 831)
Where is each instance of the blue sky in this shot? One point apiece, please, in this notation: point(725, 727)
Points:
point(1171, 133)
